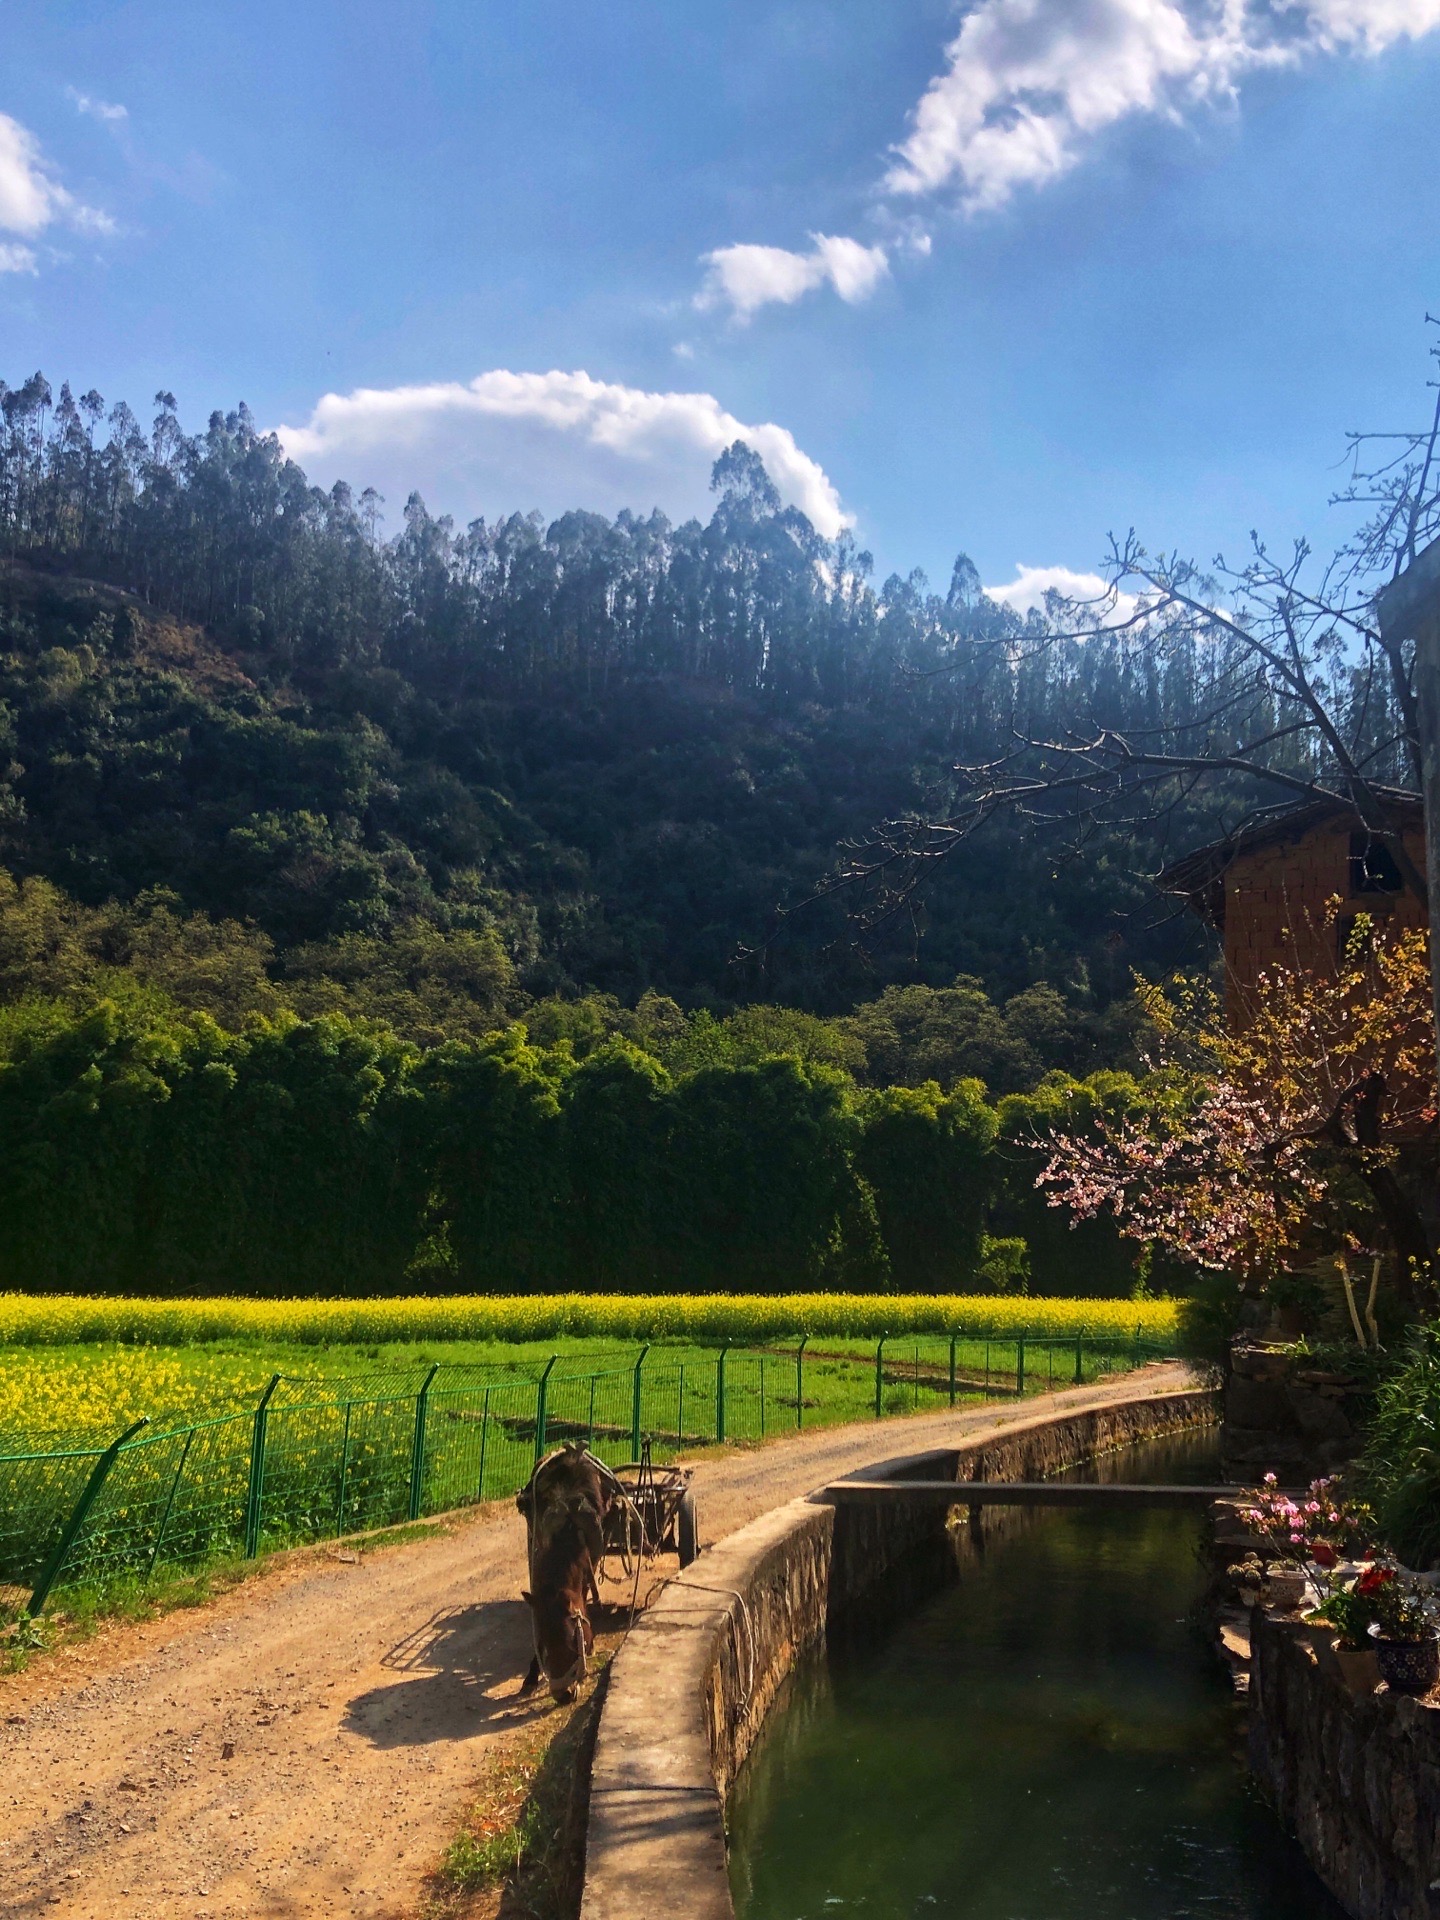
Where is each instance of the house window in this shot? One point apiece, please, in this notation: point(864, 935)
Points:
point(1372, 866)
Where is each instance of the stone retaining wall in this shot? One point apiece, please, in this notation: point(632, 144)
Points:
point(1285, 1415)
point(1357, 1780)
point(689, 1690)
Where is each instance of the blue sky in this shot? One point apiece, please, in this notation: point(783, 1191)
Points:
point(1004, 276)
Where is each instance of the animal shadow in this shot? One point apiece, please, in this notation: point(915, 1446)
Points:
point(454, 1674)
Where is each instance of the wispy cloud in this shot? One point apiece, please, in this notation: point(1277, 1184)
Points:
point(32, 199)
point(1032, 587)
point(105, 111)
point(1028, 87)
point(565, 437)
point(746, 278)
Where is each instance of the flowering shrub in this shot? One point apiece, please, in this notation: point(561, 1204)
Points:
point(1400, 1608)
point(1261, 1136)
point(1350, 1609)
point(1315, 1529)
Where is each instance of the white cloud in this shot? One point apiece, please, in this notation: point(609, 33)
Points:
point(31, 198)
point(554, 439)
point(1031, 585)
point(105, 111)
point(1029, 84)
point(17, 259)
point(746, 278)
point(1373, 25)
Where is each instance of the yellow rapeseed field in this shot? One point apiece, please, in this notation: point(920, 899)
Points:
point(88, 1394)
point(71, 1319)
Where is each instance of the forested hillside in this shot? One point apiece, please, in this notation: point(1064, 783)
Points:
point(384, 912)
point(595, 755)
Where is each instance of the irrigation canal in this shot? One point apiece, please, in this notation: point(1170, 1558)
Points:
point(1049, 1737)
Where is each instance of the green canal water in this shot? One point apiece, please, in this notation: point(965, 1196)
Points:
point(1047, 1738)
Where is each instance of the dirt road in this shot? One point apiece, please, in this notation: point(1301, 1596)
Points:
point(304, 1745)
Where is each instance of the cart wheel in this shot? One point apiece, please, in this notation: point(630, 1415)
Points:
point(687, 1529)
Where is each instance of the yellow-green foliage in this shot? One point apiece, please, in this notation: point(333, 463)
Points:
point(71, 1319)
point(88, 1392)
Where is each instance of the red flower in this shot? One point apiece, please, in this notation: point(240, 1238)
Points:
point(1374, 1578)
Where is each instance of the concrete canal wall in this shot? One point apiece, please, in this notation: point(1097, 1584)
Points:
point(689, 1690)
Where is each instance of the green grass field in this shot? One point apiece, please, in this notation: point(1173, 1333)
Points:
point(261, 1442)
point(85, 1391)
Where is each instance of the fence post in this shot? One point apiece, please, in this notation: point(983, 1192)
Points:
point(800, 1381)
point(953, 1338)
point(1020, 1368)
point(417, 1451)
point(344, 1471)
point(484, 1442)
point(1079, 1359)
point(256, 1492)
point(542, 1399)
point(169, 1503)
point(879, 1372)
point(99, 1474)
point(720, 1395)
point(635, 1405)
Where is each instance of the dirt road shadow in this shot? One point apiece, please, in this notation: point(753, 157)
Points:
point(455, 1675)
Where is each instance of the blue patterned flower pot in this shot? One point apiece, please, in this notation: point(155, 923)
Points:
point(1408, 1666)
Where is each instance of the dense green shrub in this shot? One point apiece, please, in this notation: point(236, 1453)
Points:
point(1399, 1469)
point(927, 1158)
point(762, 1188)
point(1081, 1258)
point(497, 1151)
point(150, 1150)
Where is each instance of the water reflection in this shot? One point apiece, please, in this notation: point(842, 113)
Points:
point(1048, 1738)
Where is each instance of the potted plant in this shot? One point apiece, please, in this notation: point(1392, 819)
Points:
point(1352, 1614)
point(1403, 1629)
point(1305, 1535)
point(1248, 1576)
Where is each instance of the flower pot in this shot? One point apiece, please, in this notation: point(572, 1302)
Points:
point(1408, 1666)
point(1359, 1668)
point(1286, 1587)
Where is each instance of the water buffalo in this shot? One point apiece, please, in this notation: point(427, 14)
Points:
point(564, 1503)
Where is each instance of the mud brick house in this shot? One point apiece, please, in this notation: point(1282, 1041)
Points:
point(1266, 890)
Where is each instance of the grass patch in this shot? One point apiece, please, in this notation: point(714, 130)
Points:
point(520, 1851)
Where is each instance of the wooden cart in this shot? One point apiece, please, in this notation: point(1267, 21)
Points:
point(658, 1514)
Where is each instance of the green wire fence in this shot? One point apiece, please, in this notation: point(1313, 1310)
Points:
point(316, 1459)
